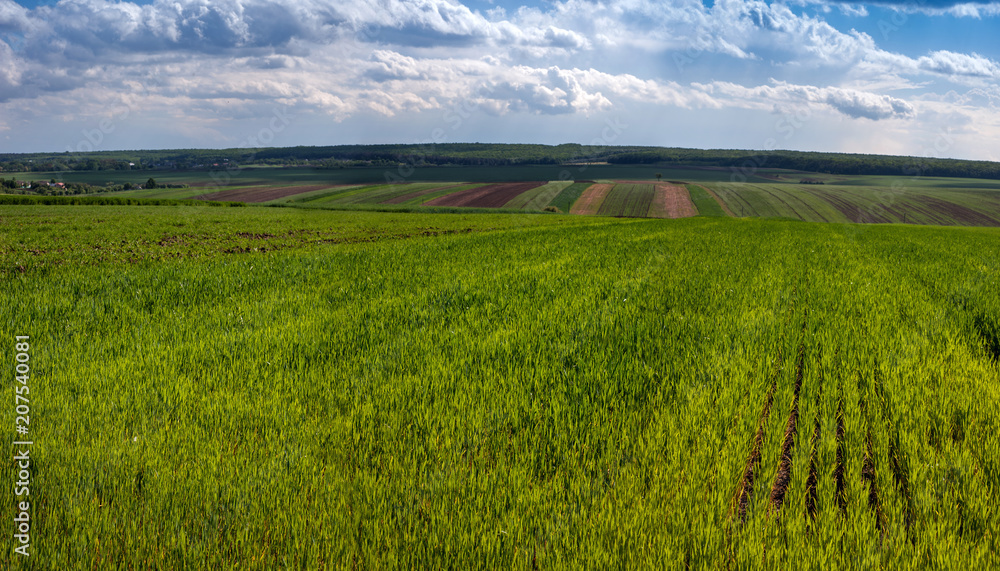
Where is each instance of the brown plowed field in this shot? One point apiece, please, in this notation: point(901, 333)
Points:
point(958, 212)
point(591, 199)
point(405, 197)
point(261, 194)
point(489, 196)
point(671, 201)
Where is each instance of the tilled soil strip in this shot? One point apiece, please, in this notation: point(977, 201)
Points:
point(672, 201)
point(591, 199)
point(419, 193)
point(489, 196)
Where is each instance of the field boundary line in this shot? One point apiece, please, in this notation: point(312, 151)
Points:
point(722, 204)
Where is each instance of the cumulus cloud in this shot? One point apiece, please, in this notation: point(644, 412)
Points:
point(13, 16)
point(853, 103)
point(212, 60)
point(860, 104)
point(10, 73)
point(923, 4)
point(955, 64)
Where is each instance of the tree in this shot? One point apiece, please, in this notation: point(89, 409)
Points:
point(659, 176)
point(151, 183)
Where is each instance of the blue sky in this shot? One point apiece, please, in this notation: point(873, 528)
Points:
point(914, 78)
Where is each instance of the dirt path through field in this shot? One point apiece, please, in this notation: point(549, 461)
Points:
point(671, 201)
point(591, 199)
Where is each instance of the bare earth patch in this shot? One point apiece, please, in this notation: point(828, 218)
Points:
point(489, 196)
point(591, 199)
point(672, 201)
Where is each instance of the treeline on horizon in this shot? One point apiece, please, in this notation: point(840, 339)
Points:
point(499, 155)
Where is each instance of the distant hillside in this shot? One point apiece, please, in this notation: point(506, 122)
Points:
point(484, 154)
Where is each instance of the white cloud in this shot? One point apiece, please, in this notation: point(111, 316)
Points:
point(853, 103)
point(955, 64)
point(13, 17)
point(202, 61)
point(10, 72)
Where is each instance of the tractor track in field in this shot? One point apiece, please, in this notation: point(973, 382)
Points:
point(746, 209)
point(745, 490)
point(869, 470)
point(780, 200)
point(783, 477)
point(870, 475)
point(812, 480)
point(898, 460)
point(839, 471)
point(743, 496)
point(819, 217)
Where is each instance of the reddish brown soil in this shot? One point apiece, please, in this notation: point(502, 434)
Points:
point(260, 194)
point(672, 201)
point(591, 199)
point(489, 196)
point(405, 197)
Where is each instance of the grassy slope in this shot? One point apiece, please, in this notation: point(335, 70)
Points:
point(915, 204)
point(704, 202)
point(565, 199)
point(430, 401)
point(538, 198)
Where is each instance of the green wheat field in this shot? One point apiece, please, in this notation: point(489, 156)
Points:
point(279, 388)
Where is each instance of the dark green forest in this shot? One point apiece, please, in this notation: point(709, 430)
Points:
point(485, 154)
